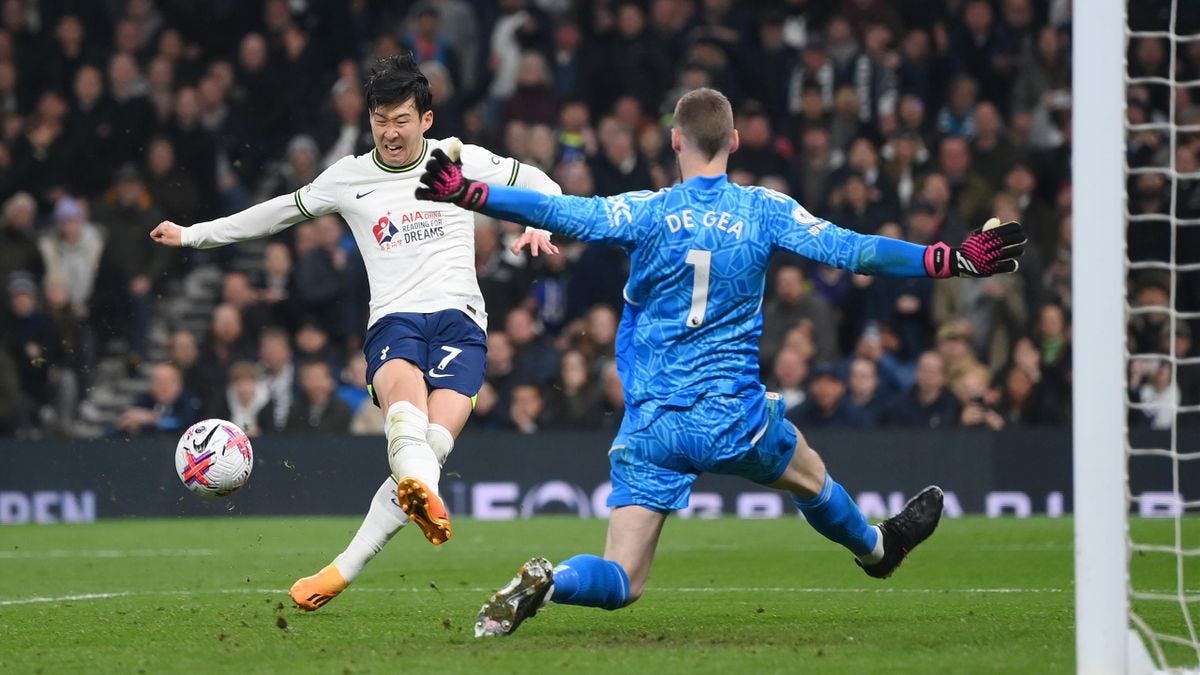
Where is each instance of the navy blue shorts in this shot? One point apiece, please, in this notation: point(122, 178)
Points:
point(447, 346)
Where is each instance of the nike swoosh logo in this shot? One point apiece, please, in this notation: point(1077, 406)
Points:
point(364, 194)
point(433, 374)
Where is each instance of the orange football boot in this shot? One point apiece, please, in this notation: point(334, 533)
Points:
point(311, 593)
point(425, 508)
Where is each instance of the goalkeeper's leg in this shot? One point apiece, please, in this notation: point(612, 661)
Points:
point(384, 519)
point(827, 506)
point(611, 582)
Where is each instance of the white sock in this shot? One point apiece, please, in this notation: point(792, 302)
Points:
point(409, 453)
point(384, 519)
point(877, 553)
point(440, 441)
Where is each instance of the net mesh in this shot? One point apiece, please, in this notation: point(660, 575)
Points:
point(1163, 267)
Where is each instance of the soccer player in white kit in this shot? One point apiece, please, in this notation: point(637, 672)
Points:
point(426, 342)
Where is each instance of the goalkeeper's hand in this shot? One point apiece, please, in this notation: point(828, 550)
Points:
point(444, 181)
point(991, 250)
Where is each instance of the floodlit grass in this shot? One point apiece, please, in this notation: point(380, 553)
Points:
point(725, 595)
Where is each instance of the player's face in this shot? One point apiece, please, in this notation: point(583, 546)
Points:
point(398, 130)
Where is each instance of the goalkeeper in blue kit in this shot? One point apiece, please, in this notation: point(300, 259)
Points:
point(687, 352)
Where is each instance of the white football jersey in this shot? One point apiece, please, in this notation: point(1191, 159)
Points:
point(419, 255)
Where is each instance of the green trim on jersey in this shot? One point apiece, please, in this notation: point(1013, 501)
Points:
point(392, 169)
point(300, 205)
point(512, 180)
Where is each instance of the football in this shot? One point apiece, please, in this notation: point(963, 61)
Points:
point(214, 458)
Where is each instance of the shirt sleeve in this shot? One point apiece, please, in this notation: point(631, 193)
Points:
point(270, 217)
point(802, 233)
point(482, 165)
point(623, 220)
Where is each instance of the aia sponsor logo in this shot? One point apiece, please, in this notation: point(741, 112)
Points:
point(408, 228)
point(384, 230)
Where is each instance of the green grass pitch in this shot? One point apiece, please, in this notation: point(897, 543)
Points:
point(725, 595)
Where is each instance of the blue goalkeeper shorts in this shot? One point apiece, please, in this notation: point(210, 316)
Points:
point(654, 466)
point(447, 346)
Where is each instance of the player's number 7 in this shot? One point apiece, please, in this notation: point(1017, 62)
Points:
point(702, 262)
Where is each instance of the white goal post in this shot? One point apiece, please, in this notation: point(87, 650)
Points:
point(1105, 637)
point(1098, 281)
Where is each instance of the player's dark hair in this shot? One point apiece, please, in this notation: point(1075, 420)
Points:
point(705, 119)
point(395, 79)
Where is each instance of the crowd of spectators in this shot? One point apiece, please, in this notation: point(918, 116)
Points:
point(910, 118)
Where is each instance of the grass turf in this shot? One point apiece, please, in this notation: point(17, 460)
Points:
point(760, 596)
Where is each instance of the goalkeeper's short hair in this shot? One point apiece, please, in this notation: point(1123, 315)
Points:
point(705, 119)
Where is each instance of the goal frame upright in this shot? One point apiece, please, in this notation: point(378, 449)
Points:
point(1101, 507)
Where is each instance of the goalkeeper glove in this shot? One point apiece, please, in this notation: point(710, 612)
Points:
point(444, 181)
point(991, 250)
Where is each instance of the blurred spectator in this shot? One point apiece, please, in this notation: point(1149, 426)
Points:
point(954, 346)
point(502, 283)
point(166, 408)
point(788, 374)
point(353, 385)
point(977, 401)
point(171, 187)
point(277, 287)
point(616, 168)
point(527, 411)
point(826, 405)
point(983, 49)
point(132, 264)
point(535, 100)
point(279, 372)
point(1031, 394)
point(756, 153)
point(316, 409)
point(300, 166)
point(500, 368)
point(596, 336)
point(319, 278)
point(794, 302)
point(183, 351)
point(575, 401)
point(994, 307)
point(970, 193)
point(72, 252)
point(428, 43)
point(18, 240)
point(245, 398)
point(347, 132)
point(237, 292)
point(865, 396)
point(10, 395)
point(992, 153)
point(928, 404)
point(534, 360)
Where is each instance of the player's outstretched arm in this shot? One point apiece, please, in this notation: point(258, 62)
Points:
point(586, 219)
point(260, 220)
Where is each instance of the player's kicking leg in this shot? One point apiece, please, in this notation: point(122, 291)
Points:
point(386, 515)
point(879, 549)
point(611, 582)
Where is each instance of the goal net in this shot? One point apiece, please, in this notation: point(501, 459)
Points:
point(1137, 534)
point(1163, 262)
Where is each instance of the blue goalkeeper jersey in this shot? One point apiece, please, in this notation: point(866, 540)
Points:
point(698, 254)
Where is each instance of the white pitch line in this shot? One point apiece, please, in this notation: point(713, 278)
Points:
point(427, 589)
point(107, 553)
point(64, 598)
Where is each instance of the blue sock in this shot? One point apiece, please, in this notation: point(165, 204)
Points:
point(836, 516)
point(591, 581)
